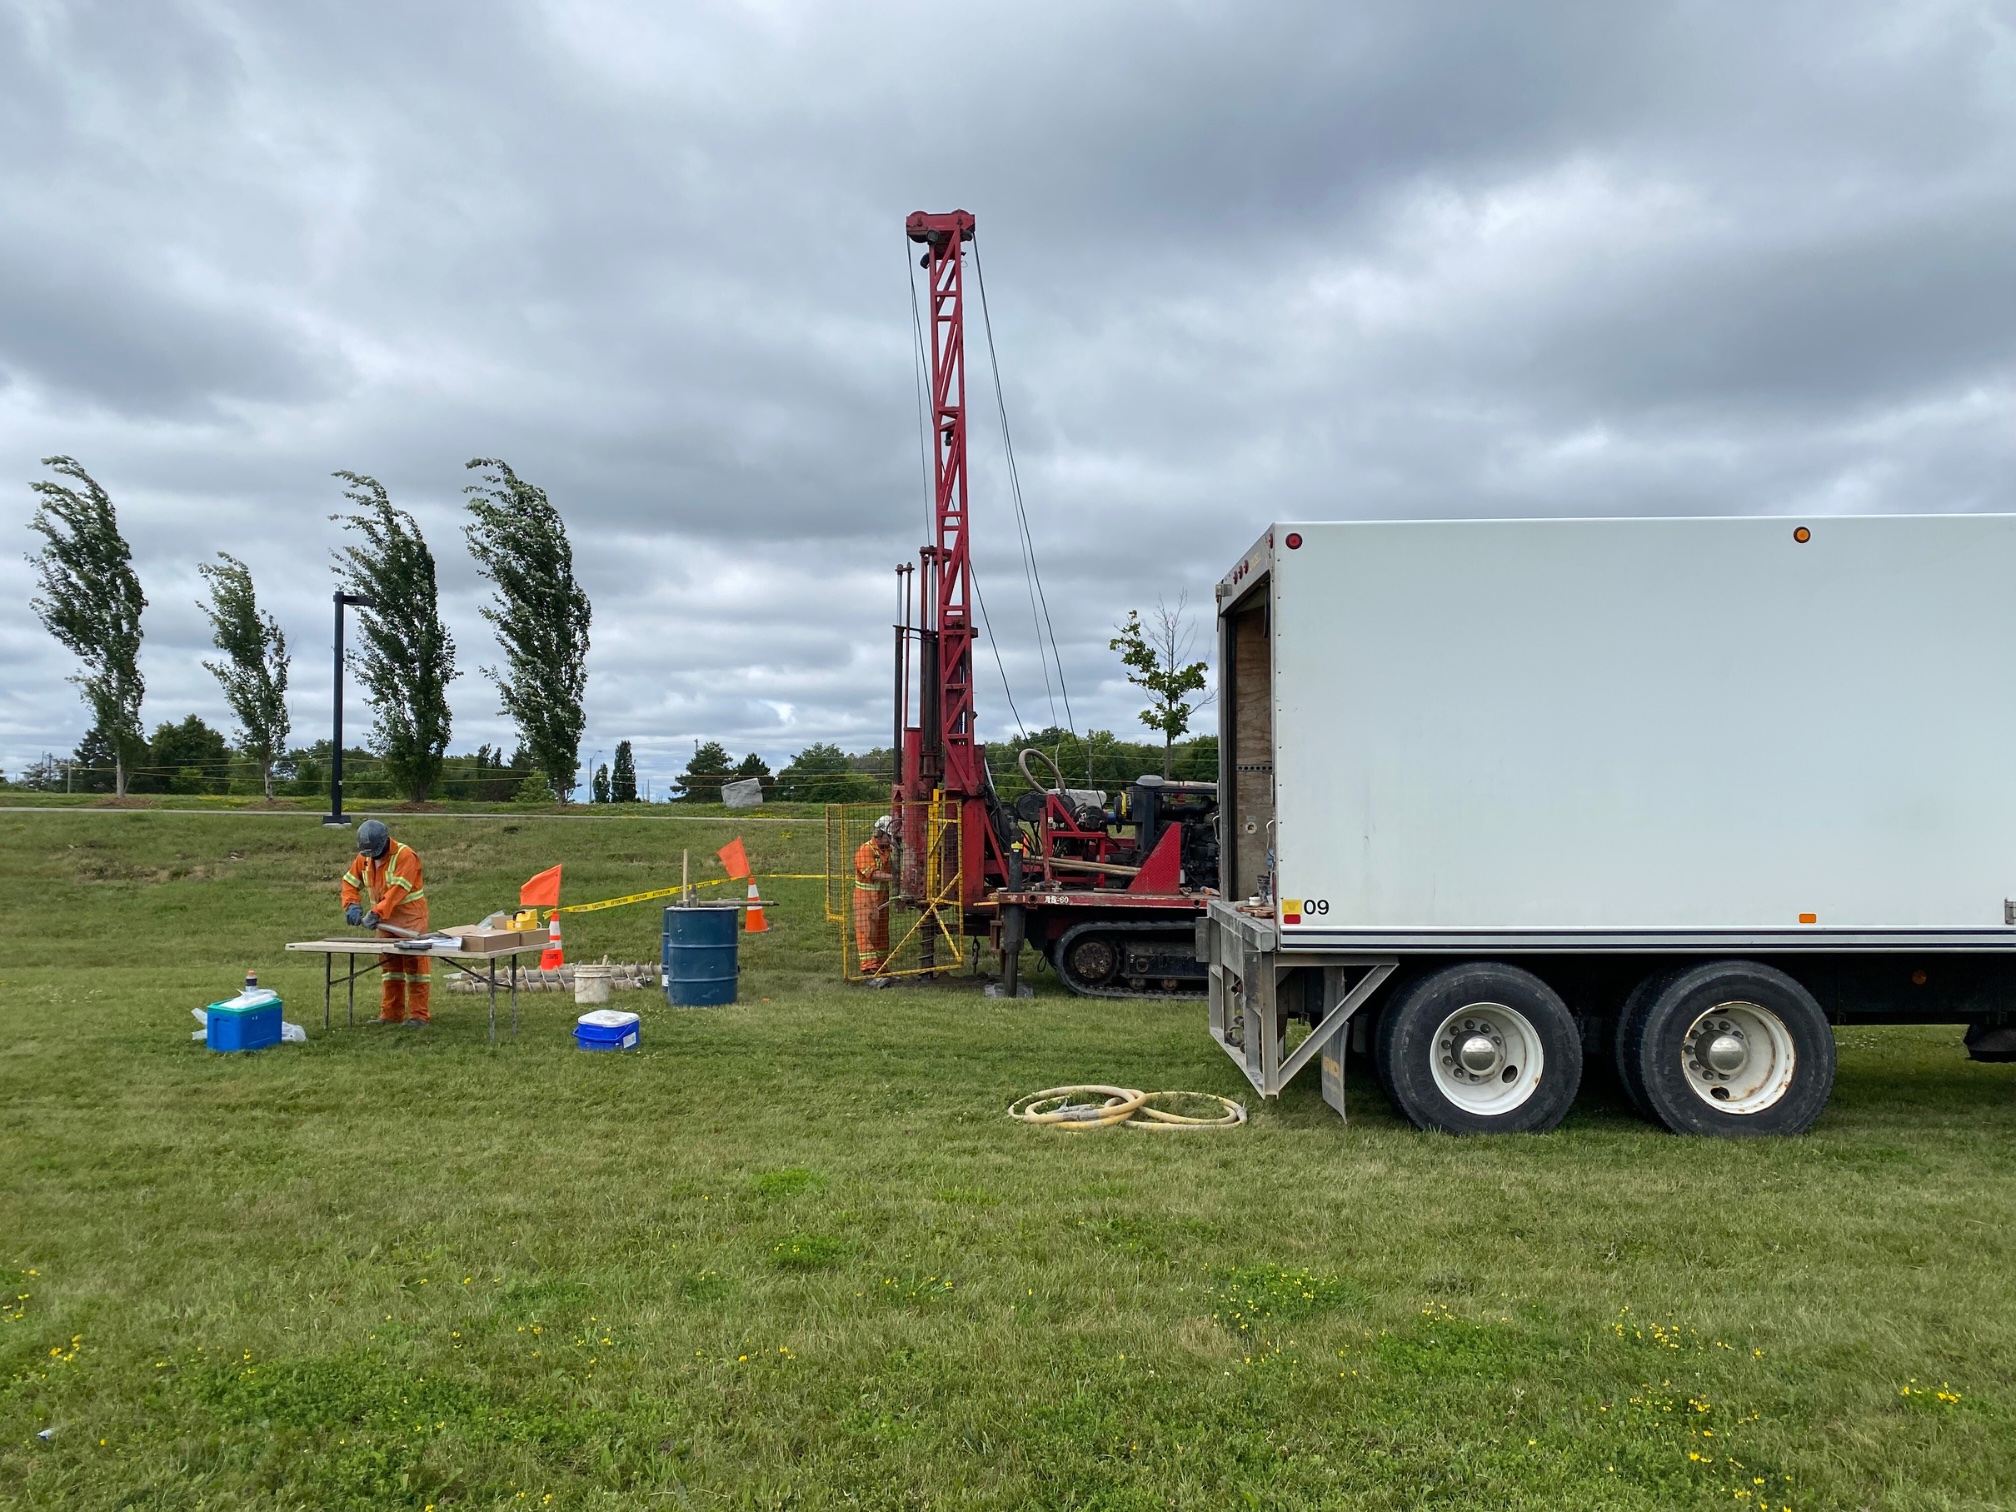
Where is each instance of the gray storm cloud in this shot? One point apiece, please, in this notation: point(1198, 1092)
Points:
point(1246, 262)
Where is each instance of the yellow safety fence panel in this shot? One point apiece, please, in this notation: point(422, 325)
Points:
point(912, 923)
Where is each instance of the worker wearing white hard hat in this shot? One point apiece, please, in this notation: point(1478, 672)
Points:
point(874, 870)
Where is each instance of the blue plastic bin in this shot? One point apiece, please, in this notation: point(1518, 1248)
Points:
point(606, 1029)
point(250, 1021)
point(701, 969)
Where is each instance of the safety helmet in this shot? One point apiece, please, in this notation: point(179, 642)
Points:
point(883, 826)
point(372, 838)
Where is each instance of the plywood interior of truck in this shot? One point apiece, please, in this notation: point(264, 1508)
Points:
point(1249, 655)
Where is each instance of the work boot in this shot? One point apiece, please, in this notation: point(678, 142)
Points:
point(419, 1021)
point(382, 1022)
point(879, 981)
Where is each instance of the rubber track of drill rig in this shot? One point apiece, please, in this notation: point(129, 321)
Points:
point(1060, 954)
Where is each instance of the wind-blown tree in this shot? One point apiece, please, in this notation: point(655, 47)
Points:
point(598, 787)
point(623, 777)
point(406, 658)
point(91, 602)
point(254, 672)
point(540, 615)
point(1154, 656)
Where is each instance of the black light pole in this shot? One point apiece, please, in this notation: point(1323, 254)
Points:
point(335, 817)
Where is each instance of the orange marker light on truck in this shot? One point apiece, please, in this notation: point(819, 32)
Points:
point(1802, 535)
point(1809, 918)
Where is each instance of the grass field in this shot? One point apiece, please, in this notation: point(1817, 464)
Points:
point(791, 1254)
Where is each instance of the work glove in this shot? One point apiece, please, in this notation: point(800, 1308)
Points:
point(371, 921)
point(353, 915)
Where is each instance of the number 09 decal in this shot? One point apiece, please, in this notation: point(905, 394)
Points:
point(1293, 910)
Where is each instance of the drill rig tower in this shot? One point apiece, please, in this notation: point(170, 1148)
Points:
point(1107, 892)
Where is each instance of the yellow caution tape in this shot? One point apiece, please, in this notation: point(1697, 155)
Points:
point(673, 892)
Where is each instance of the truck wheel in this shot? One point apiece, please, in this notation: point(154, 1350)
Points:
point(1623, 1035)
point(1731, 1048)
point(1480, 1048)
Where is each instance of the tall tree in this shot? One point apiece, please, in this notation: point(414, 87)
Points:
point(254, 672)
point(598, 790)
point(701, 781)
point(91, 602)
point(1154, 656)
point(823, 773)
point(186, 757)
point(540, 615)
point(623, 777)
point(407, 658)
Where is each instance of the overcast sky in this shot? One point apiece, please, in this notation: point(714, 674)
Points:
point(1247, 261)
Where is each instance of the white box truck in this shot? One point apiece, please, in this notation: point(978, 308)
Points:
point(1502, 795)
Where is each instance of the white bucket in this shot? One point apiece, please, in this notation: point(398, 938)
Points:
point(591, 985)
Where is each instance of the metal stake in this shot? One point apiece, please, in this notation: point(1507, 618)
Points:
point(335, 819)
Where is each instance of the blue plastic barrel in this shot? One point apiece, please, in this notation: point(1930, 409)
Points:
point(700, 954)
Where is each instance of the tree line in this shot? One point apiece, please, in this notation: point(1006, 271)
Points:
point(91, 601)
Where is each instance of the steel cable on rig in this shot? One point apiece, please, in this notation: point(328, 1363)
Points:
point(1058, 1108)
point(1039, 599)
point(920, 369)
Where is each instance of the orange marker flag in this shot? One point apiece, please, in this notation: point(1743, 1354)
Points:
point(735, 858)
point(543, 891)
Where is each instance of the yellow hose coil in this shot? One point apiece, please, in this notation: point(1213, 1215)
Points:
point(1060, 1108)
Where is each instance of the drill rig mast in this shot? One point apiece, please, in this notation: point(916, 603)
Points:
point(1108, 896)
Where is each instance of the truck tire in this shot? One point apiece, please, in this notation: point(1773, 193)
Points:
point(1623, 1034)
point(1480, 1048)
point(1729, 1048)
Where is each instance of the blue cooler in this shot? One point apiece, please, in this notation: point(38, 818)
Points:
point(249, 1021)
point(606, 1029)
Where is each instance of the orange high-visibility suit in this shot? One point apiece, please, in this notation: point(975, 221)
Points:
point(871, 903)
point(392, 888)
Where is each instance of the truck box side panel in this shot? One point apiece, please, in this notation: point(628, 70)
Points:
point(1647, 725)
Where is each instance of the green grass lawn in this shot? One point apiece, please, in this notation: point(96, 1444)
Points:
point(790, 1253)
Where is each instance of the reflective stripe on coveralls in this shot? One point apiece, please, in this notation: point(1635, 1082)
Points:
point(871, 906)
point(393, 887)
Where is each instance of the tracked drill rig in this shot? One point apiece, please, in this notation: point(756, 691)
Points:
point(1106, 888)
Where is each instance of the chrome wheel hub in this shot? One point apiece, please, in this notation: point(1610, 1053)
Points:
point(1487, 1058)
point(1478, 1053)
point(1738, 1057)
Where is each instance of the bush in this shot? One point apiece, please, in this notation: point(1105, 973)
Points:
point(534, 790)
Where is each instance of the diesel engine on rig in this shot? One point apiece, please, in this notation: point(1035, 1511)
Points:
point(1154, 804)
point(1101, 839)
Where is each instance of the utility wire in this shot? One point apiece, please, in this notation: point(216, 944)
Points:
point(1021, 512)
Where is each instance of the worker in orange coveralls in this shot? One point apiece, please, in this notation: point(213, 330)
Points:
point(874, 863)
point(384, 886)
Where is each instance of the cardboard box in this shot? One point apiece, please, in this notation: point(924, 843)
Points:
point(483, 941)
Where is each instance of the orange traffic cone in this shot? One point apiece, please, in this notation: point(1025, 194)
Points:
point(755, 922)
point(551, 959)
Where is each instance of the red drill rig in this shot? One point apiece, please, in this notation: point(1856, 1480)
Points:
point(1108, 892)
